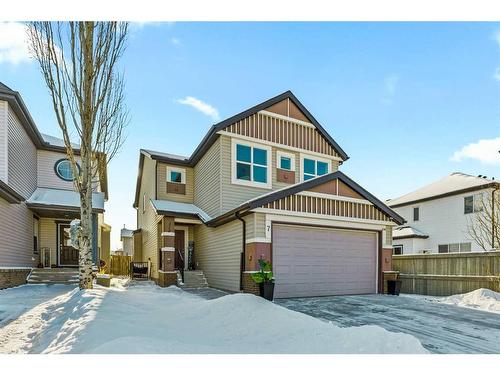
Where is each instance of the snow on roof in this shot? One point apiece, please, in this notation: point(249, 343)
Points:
point(126, 232)
point(54, 141)
point(454, 182)
point(408, 231)
point(181, 208)
point(64, 198)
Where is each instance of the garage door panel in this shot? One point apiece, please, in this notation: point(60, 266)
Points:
point(311, 261)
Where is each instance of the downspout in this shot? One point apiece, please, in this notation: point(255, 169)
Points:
point(242, 259)
point(493, 217)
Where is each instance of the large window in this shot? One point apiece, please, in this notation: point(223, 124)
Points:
point(251, 165)
point(473, 203)
point(312, 168)
point(63, 170)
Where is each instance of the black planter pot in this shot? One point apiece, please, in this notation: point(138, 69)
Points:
point(394, 287)
point(266, 290)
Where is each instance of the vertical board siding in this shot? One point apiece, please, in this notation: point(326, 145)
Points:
point(22, 158)
point(161, 182)
point(207, 180)
point(323, 206)
point(285, 132)
point(218, 254)
point(447, 274)
point(16, 235)
point(46, 175)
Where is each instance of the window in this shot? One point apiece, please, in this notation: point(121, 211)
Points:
point(416, 213)
point(285, 161)
point(464, 247)
point(63, 170)
point(397, 250)
point(473, 203)
point(312, 168)
point(177, 175)
point(143, 203)
point(250, 165)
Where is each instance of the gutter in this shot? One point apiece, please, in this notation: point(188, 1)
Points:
point(242, 259)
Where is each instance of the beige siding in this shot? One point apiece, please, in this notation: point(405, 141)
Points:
point(147, 220)
point(388, 235)
point(3, 140)
point(22, 158)
point(16, 235)
point(260, 225)
point(48, 237)
point(46, 174)
point(218, 254)
point(162, 184)
point(207, 177)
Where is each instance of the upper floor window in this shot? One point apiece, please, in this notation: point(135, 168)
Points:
point(251, 164)
point(312, 168)
point(285, 161)
point(416, 213)
point(63, 170)
point(177, 175)
point(472, 203)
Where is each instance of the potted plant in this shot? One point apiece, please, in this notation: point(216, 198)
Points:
point(265, 279)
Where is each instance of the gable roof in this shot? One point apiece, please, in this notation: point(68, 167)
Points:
point(455, 183)
point(301, 186)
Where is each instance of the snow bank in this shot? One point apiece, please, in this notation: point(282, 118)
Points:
point(481, 299)
point(143, 318)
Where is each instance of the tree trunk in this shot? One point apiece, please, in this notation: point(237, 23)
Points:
point(86, 226)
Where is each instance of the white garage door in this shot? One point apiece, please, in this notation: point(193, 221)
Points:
point(310, 261)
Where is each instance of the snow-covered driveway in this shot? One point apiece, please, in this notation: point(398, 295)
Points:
point(143, 318)
point(440, 327)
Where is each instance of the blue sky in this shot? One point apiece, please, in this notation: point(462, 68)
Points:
point(409, 102)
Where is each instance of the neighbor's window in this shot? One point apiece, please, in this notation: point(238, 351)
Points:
point(286, 161)
point(397, 250)
point(464, 247)
point(314, 168)
point(63, 170)
point(443, 248)
point(251, 163)
point(177, 175)
point(472, 203)
point(416, 213)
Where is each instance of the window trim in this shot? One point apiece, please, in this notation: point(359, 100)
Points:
point(236, 181)
point(57, 172)
point(475, 197)
point(394, 248)
point(316, 159)
point(182, 171)
point(289, 155)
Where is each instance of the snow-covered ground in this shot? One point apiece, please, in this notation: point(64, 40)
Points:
point(479, 299)
point(143, 318)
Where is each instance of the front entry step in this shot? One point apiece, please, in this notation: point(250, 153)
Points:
point(194, 279)
point(53, 276)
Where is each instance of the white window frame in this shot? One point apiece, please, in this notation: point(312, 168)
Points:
point(315, 158)
point(280, 154)
point(399, 246)
point(182, 171)
point(236, 181)
point(475, 204)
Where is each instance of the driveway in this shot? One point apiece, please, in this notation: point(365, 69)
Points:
point(440, 328)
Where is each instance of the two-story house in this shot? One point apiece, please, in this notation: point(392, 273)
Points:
point(263, 184)
point(37, 197)
point(438, 215)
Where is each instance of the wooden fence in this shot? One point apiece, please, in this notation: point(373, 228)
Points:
point(120, 265)
point(447, 274)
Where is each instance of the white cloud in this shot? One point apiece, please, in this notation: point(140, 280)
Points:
point(390, 88)
point(485, 151)
point(201, 106)
point(175, 41)
point(13, 43)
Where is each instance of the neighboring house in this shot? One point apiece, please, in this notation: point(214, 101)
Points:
point(438, 214)
point(127, 238)
point(37, 197)
point(263, 184)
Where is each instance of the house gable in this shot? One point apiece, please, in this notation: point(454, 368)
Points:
point(336, 187)
point(289, 109)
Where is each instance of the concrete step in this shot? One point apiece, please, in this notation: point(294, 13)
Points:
point(54, 276)
point(194, 279)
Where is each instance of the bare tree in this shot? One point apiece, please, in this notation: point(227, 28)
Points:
point(483, 226)
point(78, 61)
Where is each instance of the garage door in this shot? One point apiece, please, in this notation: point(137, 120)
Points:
point(309, 261)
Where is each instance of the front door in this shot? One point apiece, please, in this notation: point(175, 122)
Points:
point(68, 255)
point(179, 250)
